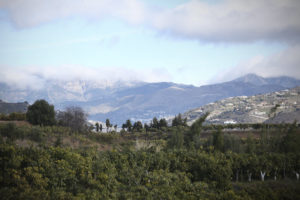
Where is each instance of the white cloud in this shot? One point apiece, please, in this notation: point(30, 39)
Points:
point(233, 20)
point(37, 77)
point(19, 77)
point(102, 108)
point(28, 13)
point(223, 21)
point(285, 63)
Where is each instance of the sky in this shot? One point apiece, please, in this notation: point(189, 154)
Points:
point(190, 42)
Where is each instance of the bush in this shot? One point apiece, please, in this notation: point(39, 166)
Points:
point(11, 131)
point(36, 135)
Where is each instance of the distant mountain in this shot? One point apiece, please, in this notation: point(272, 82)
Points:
point(276, 107)
point(139, 100)
point(6, 108)
point(283, 81)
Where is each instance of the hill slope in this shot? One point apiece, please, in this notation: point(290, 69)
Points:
point(252, 109)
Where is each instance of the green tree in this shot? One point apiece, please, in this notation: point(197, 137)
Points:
point(138, 126)
point(41, 113)
point(97, 126)
point(291, 141)
point(196, 128)
point(218, 140)
point(178, 121)
point(128, 125)
point(73, 117)
point(108, 125)
point(154, 123)
point(147, 127)
point(177, 139)
point(163, 123)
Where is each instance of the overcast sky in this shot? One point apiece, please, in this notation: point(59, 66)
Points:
point(191, 42)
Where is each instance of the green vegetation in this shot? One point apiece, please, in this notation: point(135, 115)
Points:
point(14, 116)
point(150, 162)
point(55, 162)
point(41, 113)
point(73, 117)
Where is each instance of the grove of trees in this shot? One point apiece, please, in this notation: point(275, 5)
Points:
point(155, 161)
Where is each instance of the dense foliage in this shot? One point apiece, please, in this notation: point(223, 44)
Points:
point(41, 113)
point(73, 117)
point(38, 163)
point(13, 116)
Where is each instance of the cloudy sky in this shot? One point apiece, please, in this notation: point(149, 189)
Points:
point(192, 42)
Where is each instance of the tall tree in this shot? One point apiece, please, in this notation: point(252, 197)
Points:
point(108, 125)
point(196, 127)
point(218, 140)
point(128, 125)
point(154, 123)
point(41, 113)
point(178, 121)
point(163, 123)
point(100, 127)
point(73, 117)
point(97, 127)
point(138, 126)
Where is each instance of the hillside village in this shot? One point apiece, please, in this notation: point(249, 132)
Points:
point(253, 109)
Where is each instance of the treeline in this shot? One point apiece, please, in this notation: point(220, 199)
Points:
point(138, 126)
point(154, 125)
point(42, 113)
point(14, 116)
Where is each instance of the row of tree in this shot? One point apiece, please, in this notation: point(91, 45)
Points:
point(43, 114)
point(14, 116)
point(138, 126)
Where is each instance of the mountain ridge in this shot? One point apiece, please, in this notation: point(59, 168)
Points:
point(140, 100)
point(7, 108)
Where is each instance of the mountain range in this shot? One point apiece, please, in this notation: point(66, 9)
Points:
point(140, 100)
point(7, 108)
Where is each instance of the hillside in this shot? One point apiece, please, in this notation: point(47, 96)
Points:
point(6, 108)
point(252, 109)
point(139, 100)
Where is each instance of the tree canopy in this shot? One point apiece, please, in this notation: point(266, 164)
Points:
point(73, 117)
point(41, 113)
